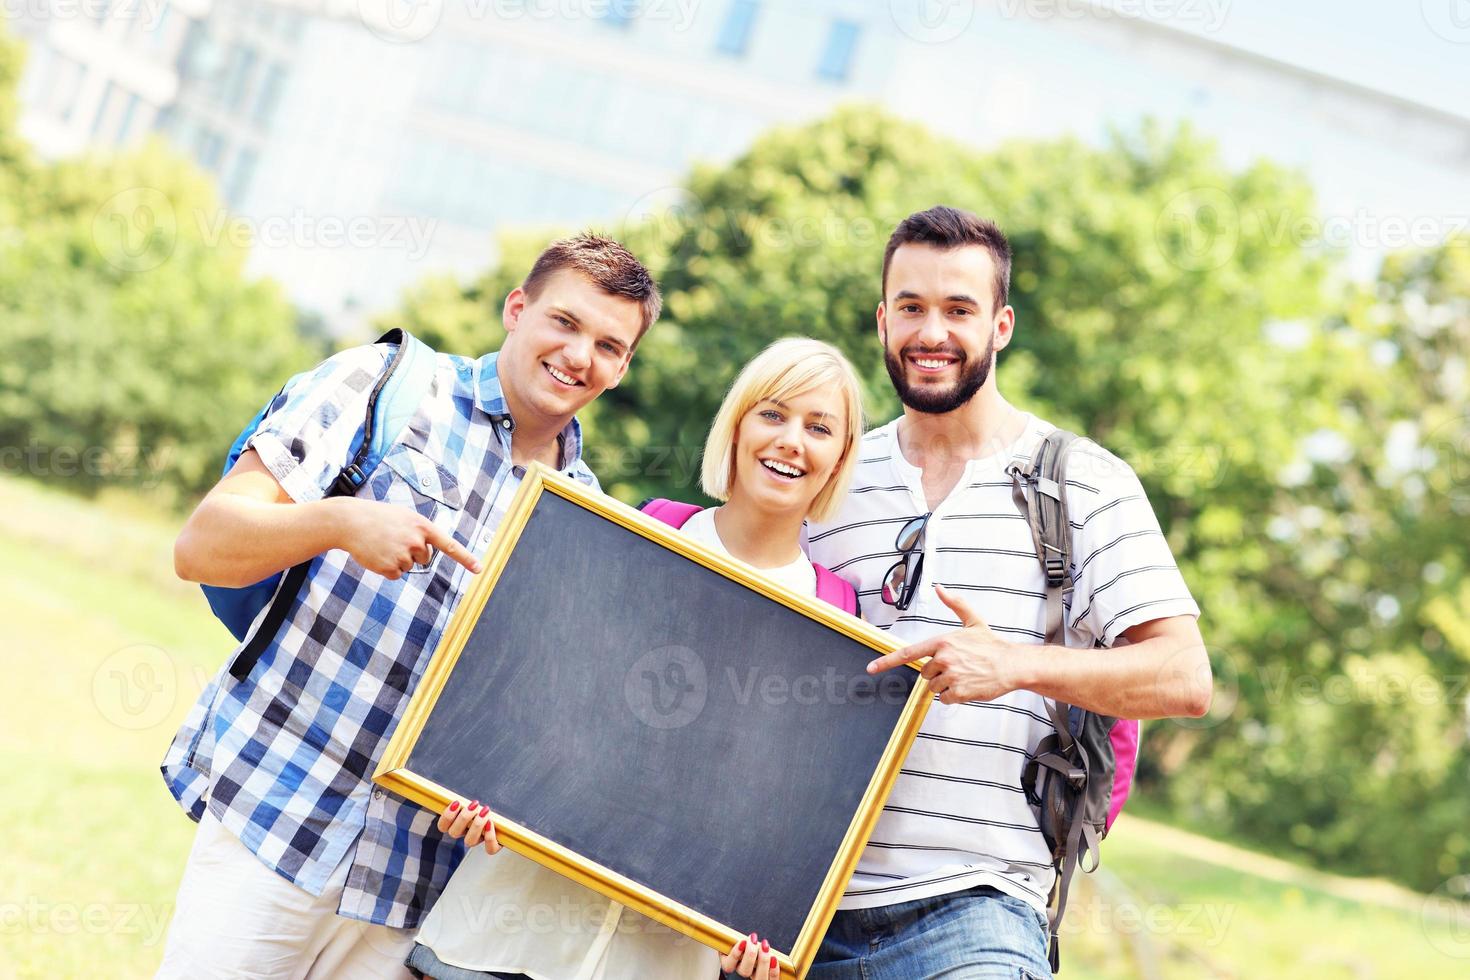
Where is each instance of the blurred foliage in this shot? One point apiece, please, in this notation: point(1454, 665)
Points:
point(135, 346)
point(1303, 439)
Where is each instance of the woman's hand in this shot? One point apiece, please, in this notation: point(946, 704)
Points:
point(471, 822)
point(751, 957)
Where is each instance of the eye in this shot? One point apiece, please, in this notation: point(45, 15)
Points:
point(563, 321)
point(771, 415)
point(820, 429)
point(609, 347)
point(909, 308)
point(960, 311)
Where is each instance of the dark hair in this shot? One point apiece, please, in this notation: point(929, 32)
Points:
point(948, 228)
point(607, 263)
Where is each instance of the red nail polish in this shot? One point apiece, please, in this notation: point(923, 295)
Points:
point(773, 962)
point(742, 947)
point(765, 945)
point(474, 804)
point(454, 806)
point(754, 938)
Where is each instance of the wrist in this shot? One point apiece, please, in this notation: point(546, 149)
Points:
point(334, 515)
point(1025, 666)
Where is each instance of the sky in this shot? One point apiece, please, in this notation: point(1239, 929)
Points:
point(1415, 49)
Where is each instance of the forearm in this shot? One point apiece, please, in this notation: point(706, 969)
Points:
point(1161, 677)
point(233, 540)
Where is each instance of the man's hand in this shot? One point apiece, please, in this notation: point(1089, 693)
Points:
point(390, 539)
point(968, 664)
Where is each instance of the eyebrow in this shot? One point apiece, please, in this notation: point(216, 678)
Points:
point(818, 415)
point(956, 298)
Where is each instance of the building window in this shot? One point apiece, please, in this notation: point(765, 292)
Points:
point(269, 94)
point(837, 55)
point(237, 76)
point(735, 32)
point(104, 104)
point(129, 115)
point(240, 175)
point(209, 146)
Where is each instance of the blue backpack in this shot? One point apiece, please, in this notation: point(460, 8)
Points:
point(393, 401)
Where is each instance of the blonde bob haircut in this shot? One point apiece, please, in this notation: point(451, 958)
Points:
point(785, 369)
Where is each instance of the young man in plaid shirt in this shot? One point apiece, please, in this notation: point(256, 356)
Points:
point(301, 867)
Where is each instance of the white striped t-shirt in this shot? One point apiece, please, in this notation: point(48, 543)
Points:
point(957, 817)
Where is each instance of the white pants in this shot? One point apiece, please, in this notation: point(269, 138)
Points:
point(235, 918)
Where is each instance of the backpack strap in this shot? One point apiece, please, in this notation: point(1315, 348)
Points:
point(1045, 510)
point(403, 385)
point(671, 512)
point(830, 588)
point(1038, 488)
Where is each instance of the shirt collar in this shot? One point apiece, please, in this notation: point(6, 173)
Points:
point(492, 402)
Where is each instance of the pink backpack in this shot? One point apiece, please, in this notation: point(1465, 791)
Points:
point(830, 588)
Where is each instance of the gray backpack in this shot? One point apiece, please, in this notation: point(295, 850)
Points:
point(1080, 774)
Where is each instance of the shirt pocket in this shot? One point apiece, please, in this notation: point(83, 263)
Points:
point(409, 478)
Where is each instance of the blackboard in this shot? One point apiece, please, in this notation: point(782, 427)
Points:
point(626, 695)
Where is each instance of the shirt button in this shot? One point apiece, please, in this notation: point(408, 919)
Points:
point(505, 423)
point(424, 482)
point(378, 794)
point(486, 536)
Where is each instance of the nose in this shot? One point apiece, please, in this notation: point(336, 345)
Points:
point(578, 352)
point(932, 332)
point(788, 437)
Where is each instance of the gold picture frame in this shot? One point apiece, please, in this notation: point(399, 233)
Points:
point(393, 772)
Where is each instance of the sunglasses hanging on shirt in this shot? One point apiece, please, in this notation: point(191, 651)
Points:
point(903, 578)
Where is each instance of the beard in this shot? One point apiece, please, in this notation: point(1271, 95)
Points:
point(933, 399)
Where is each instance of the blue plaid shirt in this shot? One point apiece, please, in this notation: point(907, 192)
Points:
point(284, 759)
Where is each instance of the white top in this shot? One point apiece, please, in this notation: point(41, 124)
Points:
point(508, 914)
point(957, 817)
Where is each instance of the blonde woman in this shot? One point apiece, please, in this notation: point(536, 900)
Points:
point(781, 450)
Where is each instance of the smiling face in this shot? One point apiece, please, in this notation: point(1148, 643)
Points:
point(939, 326)
point(566, 346)
point(786, 450)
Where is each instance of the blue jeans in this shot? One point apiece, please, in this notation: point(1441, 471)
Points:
point(981, 933)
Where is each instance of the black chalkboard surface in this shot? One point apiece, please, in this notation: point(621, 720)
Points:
point(656, 721)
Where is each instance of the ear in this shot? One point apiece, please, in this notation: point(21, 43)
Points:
point(1005, 328)
point(881, 314)
point(515, 305)
point(618, 378)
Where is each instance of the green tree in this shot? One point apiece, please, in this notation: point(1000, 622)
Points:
point(136, 346)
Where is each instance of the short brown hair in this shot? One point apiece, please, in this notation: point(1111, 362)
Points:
point(948, 228)
point(606, 263)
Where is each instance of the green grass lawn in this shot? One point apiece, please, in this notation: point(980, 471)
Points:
point(104, 651)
